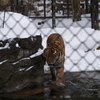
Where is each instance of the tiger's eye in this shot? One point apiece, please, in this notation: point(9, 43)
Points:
point(48, 44)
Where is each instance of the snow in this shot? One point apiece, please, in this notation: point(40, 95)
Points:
point(77, 40)
point(16, 25)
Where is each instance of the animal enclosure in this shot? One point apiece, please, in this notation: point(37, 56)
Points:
point(25, 26)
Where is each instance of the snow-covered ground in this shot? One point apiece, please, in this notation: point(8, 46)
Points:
point(78, 37)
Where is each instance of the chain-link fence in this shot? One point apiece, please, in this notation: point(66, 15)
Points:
point(24, 28)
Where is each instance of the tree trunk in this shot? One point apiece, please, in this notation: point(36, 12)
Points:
point(76, 10)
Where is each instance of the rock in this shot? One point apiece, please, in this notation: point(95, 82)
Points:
point(98, 48)
point(17, 69)
point(23, 74)
point(17, 48)
point(31, 42)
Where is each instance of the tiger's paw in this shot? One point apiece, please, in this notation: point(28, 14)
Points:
point(60, 84)
point(52, 82)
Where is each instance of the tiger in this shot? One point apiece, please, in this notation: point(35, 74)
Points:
point(54, 54)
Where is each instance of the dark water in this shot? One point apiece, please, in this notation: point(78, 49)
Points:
point(77, 86)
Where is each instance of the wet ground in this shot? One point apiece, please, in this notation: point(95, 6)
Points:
point(77, 85)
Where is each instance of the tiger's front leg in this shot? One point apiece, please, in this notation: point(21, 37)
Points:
point(59, 76)
point(52, 69)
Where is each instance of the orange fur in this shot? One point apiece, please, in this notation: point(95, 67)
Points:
point(55, 57)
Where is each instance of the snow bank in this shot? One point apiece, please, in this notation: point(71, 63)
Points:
point(16, 25)
point(77, 41)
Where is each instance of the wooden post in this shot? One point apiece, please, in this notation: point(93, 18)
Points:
point(76, 10)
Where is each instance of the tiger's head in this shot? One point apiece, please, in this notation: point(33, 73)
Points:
point(52, 55)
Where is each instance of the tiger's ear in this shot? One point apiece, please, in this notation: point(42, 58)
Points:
point(58, 44)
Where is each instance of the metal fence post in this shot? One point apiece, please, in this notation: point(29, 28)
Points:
point(17, 5)
point(22, 7)
point(44, 9)
point(3, 19)
point(92, 13)
point(53, 14)
point(12, 5)
point(96, 25)
point(68, 8)
point(86, 2)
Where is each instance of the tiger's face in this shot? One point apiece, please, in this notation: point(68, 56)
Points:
point(52, 55)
